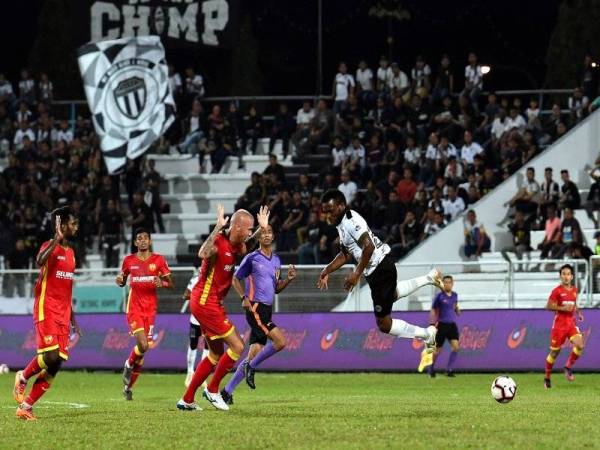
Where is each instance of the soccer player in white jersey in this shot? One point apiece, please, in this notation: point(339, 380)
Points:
point(195, 334)
point(373, 259)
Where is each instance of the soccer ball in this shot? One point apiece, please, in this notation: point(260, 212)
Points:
point(3, 369)
point(504, 389)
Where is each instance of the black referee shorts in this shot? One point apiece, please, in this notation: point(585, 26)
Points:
point(259, 319)
point(383, 283)
point(446, 331)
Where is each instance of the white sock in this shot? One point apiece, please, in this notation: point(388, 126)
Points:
point(407, 287)
point(191, 359)
point(404, 329)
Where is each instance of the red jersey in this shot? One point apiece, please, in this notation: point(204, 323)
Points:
point(563, 297)
point(54, 287)
point(214, 278)
point(142, 290)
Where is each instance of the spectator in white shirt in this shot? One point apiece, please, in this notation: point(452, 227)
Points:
point(364, 84)
point(515, 121)
point(533, 114)
point(453, 205)
point(64, 133)
point(446, 149)
point(412, 153)
point(499, 126)
point(304, 117)
point(338, 153)
point(175, 83)
point(578, 104)
point(473, 81)
point(399, 81)
point(23, 114)
point(420, 75)
point(453, 171)
point(469, 149)
point(355, 161)
point(343, 86)
point(194, 84)
point(348, 187)
point(6, 90)
point(384, 75)
point(27, 88)
point(24, 130)
point(45, 89)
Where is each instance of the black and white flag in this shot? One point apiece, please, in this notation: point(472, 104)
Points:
point(127, 88)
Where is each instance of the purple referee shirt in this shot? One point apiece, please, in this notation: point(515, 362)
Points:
point(261, 274)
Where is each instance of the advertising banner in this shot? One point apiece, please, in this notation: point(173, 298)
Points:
point(489, 340)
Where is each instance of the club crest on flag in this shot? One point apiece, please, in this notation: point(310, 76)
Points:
point(130, 97)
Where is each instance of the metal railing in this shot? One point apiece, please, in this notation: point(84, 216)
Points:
point(96, 286)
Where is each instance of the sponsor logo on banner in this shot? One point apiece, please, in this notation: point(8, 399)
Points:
point(294, 339)
point(371, 341)
point(527, 336)
point(116, 340)
point(376, 341)
point(474, 339)
point(329, 338)
point(516, 337)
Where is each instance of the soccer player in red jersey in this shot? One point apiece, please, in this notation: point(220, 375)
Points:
point(563, 300)
point(206, 303)
point(147, 272)
point(52, 313)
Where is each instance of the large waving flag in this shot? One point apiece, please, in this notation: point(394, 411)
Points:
point(127, 88)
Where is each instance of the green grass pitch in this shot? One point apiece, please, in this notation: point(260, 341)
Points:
point(316, 411)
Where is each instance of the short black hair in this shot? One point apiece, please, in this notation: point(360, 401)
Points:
point(564, 171)
point(548, 169)
point(141, 230)
point(64, 212)
point(333, 194)
point(447, 277)
point(566, 266)
point(532, 169)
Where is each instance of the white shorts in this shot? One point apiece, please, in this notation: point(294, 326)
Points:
point(193, 320)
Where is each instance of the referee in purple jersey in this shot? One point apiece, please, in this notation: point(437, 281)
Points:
point(261, 271)
point(444, 311)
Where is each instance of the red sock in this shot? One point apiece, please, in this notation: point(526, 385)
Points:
point(226, 363)
point(574, 356)
point(137, 369)
point(203, 370)
point(38, 389)
point(35, 366)
point(135, 356)
point(549, 365)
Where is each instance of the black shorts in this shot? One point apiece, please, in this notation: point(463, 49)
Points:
point(383, 283)
point(446, 331)
point(259, 319)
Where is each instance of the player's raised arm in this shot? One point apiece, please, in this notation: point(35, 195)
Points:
point(58, 236)
point(367, 246)
point(282, 284)
point(208, 248)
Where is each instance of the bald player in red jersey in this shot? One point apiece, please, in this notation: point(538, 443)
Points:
point(52, 313)
point(218, 254)
point(563, 300)
point(147, 272)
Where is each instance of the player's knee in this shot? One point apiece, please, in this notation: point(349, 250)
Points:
point(237, 348)
point(53, 361)
point(279, 344)
point(143, 346)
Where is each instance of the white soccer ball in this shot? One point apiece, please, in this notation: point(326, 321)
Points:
point(504, 389)
point(4, 369)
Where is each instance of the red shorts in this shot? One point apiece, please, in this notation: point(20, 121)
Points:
point(51, 335)
point(141, 322)
point(559, 334)
point(213, 320)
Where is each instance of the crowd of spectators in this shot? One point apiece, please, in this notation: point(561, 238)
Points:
point(50, 163)
point(411, 152)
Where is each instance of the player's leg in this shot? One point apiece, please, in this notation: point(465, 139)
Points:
point(52, 359)
point(406, 287)
point(133, 364)
point(226, 362)
point(440, 338)
point(195, 335)
point(276, 342)
point(453, 337)
point(557, 338)
point(240, 373)
point(578, 346)
point(202, 372)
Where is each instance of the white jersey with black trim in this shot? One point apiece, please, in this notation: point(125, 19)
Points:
point(189, 287)
point(350, 229)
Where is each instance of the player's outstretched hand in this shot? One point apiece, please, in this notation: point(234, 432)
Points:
point(322, 281)
point(263, 216)
point(291, 273)
point(58, 235)
point(120, 279)
point(221, 219)
point(350, 281)
point(246, 304)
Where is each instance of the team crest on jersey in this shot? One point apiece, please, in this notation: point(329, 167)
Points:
point(152, 267)
point(277, 273)
point(48, 339)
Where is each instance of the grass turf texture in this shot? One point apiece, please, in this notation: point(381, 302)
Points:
point(320, 411)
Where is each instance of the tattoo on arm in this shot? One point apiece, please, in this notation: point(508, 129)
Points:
point(208, 246)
